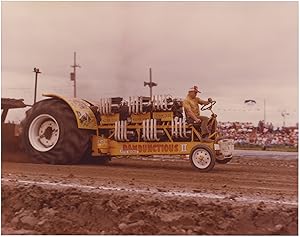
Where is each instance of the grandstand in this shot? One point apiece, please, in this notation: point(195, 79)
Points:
point(264, 134)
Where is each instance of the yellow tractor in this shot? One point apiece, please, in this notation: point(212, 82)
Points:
point(61, 130)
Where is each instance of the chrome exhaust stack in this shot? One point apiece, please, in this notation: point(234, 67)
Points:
point(121, 131)
point(150, 130)
point(178, 128)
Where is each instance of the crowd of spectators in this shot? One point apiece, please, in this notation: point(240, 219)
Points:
point(264, 134)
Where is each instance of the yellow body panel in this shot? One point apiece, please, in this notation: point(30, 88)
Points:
point(100, 146)
point(110, 119)
point(104, 146)
point(84, 115)
point(138, 118)
point(163, 116)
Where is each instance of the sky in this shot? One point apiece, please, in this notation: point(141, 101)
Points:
point(233, 51)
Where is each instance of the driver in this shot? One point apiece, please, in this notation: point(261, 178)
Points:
point(191, 107)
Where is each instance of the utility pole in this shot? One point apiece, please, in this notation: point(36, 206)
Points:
point(265, 110)
point(36, 71)
point(150, 84)
point(73, 74)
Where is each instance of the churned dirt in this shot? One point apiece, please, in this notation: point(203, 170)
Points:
point(148, 195)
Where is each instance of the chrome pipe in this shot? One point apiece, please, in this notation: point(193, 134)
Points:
point(122, 130)
point(119, 130)
point(137, 104)
point(132, 105)
point(172, 127)
point(180, 127)
point(106, 105)
point(184, 128)
point(141, 104)
point(109, 105)
point(144, 130)
point(100, 106)
point(176, 123)
point(125, 129)
point(129, 104)
point(151, 129)
point(165, 103)
point(147, 130)
point(155, 130)
point(116, 130)
point(155, 102)
point(160, 102)
point(103, 105)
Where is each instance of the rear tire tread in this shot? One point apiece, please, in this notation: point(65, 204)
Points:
point(72, 143)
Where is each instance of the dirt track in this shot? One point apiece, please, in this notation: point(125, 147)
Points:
point(160, 196)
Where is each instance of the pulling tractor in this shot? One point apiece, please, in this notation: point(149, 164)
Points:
point(61, 130)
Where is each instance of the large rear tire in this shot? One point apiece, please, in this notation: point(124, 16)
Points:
point(50, 134)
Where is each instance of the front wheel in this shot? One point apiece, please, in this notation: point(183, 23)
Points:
point(203, 158)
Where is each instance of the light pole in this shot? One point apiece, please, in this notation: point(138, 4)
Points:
point(36, 71)
point(73, 74)
point(150, 83)
point(264, 110)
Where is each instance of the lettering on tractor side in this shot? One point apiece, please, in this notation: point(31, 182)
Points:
point(183, 147)
point(149, 148)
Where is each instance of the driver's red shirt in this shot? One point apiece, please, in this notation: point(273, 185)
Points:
point(193, 104)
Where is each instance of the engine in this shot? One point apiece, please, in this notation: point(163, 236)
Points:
point(143, 113)
point(139, 105)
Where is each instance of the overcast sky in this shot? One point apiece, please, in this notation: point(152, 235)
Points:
point(232, 50)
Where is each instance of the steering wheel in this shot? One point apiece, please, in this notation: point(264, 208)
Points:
point(208, 106)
